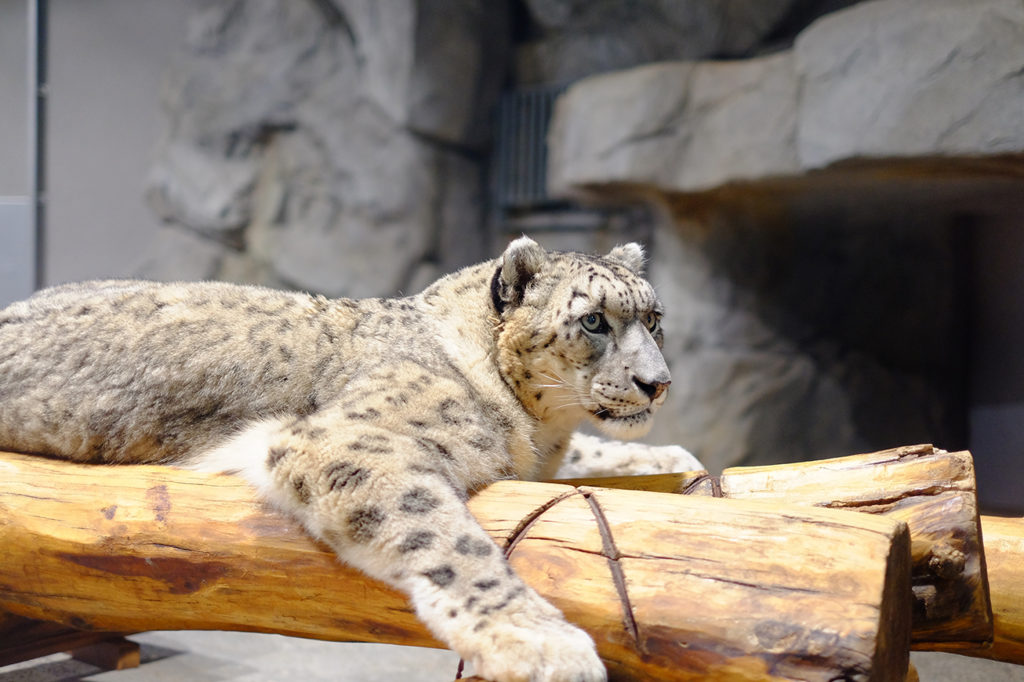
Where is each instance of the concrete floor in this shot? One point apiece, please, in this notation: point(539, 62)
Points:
point(243, 657)
point(246, 657)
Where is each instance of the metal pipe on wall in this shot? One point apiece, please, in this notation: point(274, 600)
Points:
point(38, 24)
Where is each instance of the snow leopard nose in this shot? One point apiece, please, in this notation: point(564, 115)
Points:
point(653, 389)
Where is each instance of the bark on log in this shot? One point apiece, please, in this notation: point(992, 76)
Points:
point(671, 587)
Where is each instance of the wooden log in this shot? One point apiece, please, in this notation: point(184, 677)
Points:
point(1004, 557)
point(22, 639)
point(671, 587)
point(934, 492)
point(114, 653)
point(764, 614)
point(160, 548)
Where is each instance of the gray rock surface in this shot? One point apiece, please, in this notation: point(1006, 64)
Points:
point(737, 384)
point(801, 237)
point(680, 125)
point(337, 146)
point(912, 78)
point(583, 37)
point(329, 145)
point(184, 255)
point(890, 78)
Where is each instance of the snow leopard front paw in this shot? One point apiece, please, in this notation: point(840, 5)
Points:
point(539, 647)
point(589, 456)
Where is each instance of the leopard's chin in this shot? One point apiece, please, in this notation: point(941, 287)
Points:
point(624, 426)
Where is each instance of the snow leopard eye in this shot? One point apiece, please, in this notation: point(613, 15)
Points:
point(594, 323)
point(652, 321)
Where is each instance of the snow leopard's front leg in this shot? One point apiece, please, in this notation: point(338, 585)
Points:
point(385, 504)
point(591, 457)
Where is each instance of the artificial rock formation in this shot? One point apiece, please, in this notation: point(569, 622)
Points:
point(814, 205)
point(677, 125)
point(330, 146)
point(579, 38)
point(793, 335)
point(912, 78)
point(340, 146)
point(816, 188)
point(890, 78)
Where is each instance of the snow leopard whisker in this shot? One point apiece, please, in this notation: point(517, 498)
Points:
point(553, 377)
point(572, 401)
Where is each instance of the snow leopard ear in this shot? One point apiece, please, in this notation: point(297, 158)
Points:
point(521, 261)
point(631, 255)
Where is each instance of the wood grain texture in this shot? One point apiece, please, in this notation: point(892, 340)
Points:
point(935, 493)
point(141, 548)
point(1004, 556)
point(671, 587)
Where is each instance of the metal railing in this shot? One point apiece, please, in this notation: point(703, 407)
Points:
point(521, 152)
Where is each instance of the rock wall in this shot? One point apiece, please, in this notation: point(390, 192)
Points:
point(811, 194)
point(885, 79)
point(812, 324)
point(816, 212)
point(911, 78)
point(577, 38)
point(331, 146)
point(677, 125)
point(343, 146)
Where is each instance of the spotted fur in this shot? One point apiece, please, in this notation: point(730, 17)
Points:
point(369, 421)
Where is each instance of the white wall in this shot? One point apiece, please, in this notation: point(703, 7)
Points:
point(13, 105)
point(107, 58)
